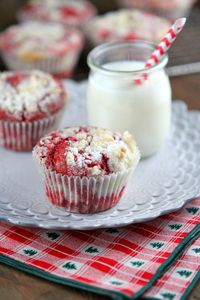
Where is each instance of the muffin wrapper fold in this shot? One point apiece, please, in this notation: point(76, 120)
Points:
point(23, 136)
point(60, 66)
point(87, 194)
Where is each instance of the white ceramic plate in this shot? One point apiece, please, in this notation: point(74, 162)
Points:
point(160, 184)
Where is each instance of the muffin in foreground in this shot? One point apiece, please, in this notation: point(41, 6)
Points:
point(126, 25)
point(51, 48)
point(66, 12)
point(30, 106)
point(85, 169)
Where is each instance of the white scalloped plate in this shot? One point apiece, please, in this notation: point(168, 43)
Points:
point(160, 184)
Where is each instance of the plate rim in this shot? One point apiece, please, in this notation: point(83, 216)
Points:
point(115, 222)
point(86, 227)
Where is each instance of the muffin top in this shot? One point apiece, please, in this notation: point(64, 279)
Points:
point(158, 4)
point(126, 24)
point(35, 41)
point(72, 12)
point(86, 151)
point(29, 96)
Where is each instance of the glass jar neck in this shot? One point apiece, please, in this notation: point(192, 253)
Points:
point(101, 58)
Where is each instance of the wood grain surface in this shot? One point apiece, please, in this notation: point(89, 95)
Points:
point(17, 285)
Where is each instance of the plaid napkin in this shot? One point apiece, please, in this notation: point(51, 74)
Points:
point(156, 260)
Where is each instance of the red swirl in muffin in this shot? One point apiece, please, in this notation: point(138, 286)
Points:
point(29, 96)
point(67, 12)
point(86, 151)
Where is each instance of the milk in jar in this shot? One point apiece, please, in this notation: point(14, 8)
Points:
point(117, 103)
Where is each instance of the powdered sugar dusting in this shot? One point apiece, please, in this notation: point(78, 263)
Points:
point(88, 151)
point(28, 92)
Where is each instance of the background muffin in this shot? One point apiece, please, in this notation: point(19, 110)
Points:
point(66, 12)
point(85, 169)
point(126, 25)
point(48, 47)
point(171, 9)
point(30, 105)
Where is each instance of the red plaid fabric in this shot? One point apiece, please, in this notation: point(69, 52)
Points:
point(177, 280)
point(120, 261)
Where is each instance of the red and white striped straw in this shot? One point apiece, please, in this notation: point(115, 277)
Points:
point(163, 46)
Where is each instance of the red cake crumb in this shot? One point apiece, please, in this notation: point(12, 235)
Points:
point(15, 78)
point(85, 151)
point(56, 157)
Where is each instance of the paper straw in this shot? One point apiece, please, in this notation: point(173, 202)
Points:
point(163, 46)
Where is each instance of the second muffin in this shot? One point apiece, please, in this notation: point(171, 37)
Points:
point(30, 106)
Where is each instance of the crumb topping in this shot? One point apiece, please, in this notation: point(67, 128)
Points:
point(22, 94)
point(127, 24)
point(34, 41)
point(87, 151)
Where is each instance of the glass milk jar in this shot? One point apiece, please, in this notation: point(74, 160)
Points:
point(117, 102)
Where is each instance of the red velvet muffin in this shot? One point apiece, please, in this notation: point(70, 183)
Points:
point(85, 169)
point(30, 105)
point(126, 25)
point(52, 48)
point(66, 12)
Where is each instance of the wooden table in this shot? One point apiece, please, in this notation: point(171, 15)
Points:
point(17, 285)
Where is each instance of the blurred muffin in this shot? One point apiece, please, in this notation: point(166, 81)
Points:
point(30, 106)
point(170, 9)
point(66, 12)
point(124, 25)
point(48, 47)
point(85, 169)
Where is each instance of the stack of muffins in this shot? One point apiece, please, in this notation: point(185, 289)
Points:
point(48, 38)
point(84, 169)
point(51, 34)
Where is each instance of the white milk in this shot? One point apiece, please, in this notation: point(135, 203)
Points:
point(114, 102)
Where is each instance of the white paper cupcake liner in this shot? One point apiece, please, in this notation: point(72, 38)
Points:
point(23, 136)
point(87, 194)
point(62, 66)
